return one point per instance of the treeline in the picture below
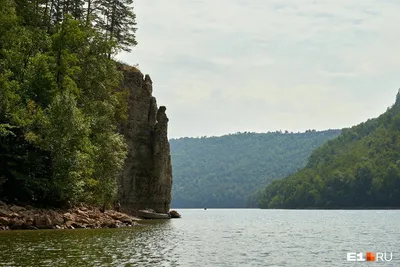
(224, 171)
(358, 169)
(59, 103)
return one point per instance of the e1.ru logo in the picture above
(370, 256)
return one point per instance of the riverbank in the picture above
(14, 217)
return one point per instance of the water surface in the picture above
(215, 237)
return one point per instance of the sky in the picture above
(226, 66)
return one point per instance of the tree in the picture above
(118, 23)
(359, 168)
(59, 103)
(225, 171)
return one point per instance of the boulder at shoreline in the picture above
(174, 214)
(13, 217)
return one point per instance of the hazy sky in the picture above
(223, 66)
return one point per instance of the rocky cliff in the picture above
(146, 181)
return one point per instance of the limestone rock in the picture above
(63, 219)
(82, 213)
(16, 223)
(14, 215)
(56, 218)
(83, 208)
(146, 181)
(68, 217)
(174, 214)
(68, 224)
(4, 221)
(94, 215)
(4, 212)
(77, 225)
(108, 224)
(123, 218)
(17, 208)
(82, 220)
(28, 223)
(42, 221)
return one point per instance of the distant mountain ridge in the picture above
(224, 171)
(358, 169)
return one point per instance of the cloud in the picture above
(233, 65)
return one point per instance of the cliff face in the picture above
(146, 181)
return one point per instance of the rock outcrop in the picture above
(29, 218)
(174, 214)
(146, 181)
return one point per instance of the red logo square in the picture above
(370, 256)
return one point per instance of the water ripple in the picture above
(214, 238)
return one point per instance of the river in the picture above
(216, 237)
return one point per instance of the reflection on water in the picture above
(215, 238)
(148, 245)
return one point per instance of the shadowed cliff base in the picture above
(146, 181)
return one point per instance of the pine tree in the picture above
(118, 23)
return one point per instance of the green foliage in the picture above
(225, 171)
(358, 169)
(118, 22)
(5, 129)
(59, 106)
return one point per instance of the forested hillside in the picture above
(59, 106)
(224, 171)
(360, 168)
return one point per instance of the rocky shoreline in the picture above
(14, 217)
